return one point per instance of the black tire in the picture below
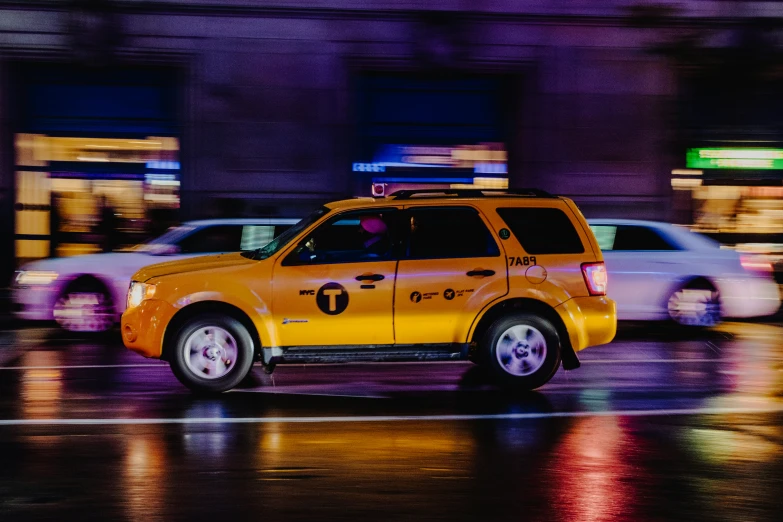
(509, 361)
(185, 355)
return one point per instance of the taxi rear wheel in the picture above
(522, 351)
(212, 353)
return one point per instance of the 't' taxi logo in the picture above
(332, 298)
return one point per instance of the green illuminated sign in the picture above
(752, 159)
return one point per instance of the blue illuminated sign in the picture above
(163, 165)
(490, 168)
(368, 167)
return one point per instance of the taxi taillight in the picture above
(595, 277)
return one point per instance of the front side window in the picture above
(171, 237)
(350, 237)
(448, 232)
(212, 239)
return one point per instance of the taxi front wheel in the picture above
(212, 353)
(522, 351)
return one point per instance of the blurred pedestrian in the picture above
(55, 225)
(107, 226)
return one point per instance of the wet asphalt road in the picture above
(656, 426)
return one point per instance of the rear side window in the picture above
(449, 232)
(543, 230)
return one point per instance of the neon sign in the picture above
(735, 158)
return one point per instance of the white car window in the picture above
(631, 238)
(212, 239)
(171, 237)
(256, 236)
(640, 239)
(604, 234)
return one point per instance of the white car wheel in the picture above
(695, 306)
(77, 311)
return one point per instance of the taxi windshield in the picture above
(283, 239)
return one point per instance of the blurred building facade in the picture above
(230, 107)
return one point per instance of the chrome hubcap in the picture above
(210, 352)
(521, 350)
(83, 312)
(694, 307)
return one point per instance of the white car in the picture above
(87, 293)
(660, 271)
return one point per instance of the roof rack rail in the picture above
(470, 193)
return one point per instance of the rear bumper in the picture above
(143, 327)
(590, 321)
(748, 297)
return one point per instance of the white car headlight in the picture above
(35, 277)
(138, 292)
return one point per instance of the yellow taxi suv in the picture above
(513, 280)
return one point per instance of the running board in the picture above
(365, 353)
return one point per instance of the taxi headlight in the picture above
(35, 277)
(138, 292)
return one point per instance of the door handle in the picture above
(370, 277)
(481, 273)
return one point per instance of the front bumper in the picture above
(590, 321)
(143, 327)
(34, 303)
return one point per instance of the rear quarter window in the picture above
(256, 236)
(543, 230)
(605, 235)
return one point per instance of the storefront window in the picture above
(81, 195)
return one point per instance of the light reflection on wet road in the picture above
(700, 438)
